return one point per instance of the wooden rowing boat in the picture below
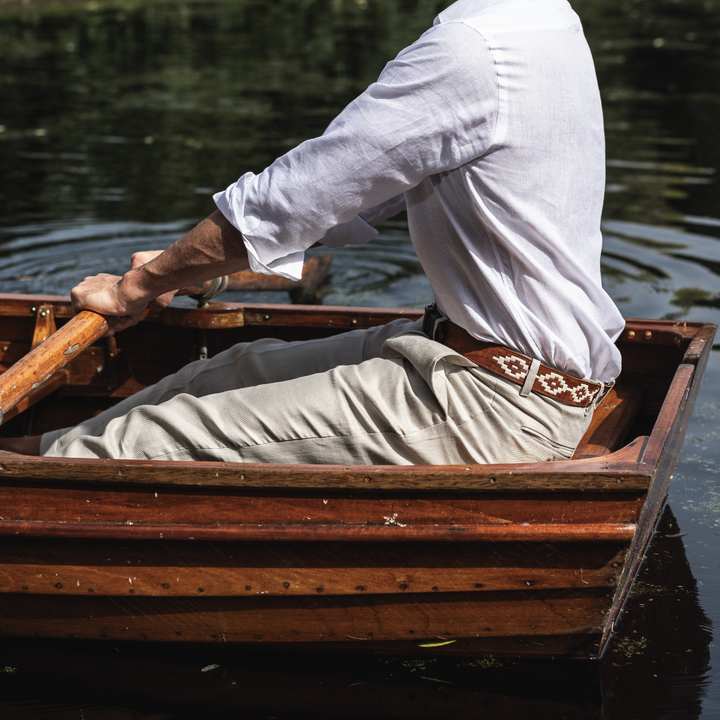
(525, 559)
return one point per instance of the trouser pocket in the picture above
(550, 449)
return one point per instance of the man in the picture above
(488, 130)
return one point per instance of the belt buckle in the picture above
(433, 323)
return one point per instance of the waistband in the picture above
(513, 365)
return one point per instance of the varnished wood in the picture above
(308, 618)
(58, 380)
(60, 567)
(696, 352)
(665, 331)
(550, 532)
(233, 315)
(662, 451)
(613, 472)
(163, 513)
(315, 273)
(349, 557)
(611, 423)
(197, 507)
(44, 324)
(42, 362)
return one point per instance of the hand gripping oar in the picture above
(41, 363)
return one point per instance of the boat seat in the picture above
(611, 422)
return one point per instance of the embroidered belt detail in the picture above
(512, 365)
(548, 381)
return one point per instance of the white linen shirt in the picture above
(488, 129)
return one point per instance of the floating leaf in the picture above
(435, 644)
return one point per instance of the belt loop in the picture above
(599, 396)
(530, 378)
(601, 393)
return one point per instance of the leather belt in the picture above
(512, 365)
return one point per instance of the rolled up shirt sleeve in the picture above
(432, 109)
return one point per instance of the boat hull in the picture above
(526, 559)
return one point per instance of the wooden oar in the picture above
(314, 273)
(41, 363)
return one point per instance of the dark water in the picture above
(117, 122)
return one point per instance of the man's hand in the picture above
(211, 249)
(112, 295)
(106, 294)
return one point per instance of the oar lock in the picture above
(213, 289)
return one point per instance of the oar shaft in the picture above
(40, 364)
(314, 272)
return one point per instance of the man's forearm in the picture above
(211, 249)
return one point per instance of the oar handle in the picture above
(41, 363)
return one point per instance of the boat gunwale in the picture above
(603, 473)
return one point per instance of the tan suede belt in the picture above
(512, 365)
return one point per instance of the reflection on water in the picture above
(662, 639)
(50, 257)
(119, 120)
(663, 272)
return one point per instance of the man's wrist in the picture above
(136, 289)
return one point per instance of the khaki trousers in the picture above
(387, 395)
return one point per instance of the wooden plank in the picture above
(11, 351)
(232, 315)
(611, 422)
(174, 569)
(193, 506)
(26, 305)
(307, 619)
(698, 350)
(14, 304)
(611, 532)
(671, 414)
(187, 513)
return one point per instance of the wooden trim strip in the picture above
(530, 532)
(671, 413)
(610, 473)
(337, 618)
(193, 569)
